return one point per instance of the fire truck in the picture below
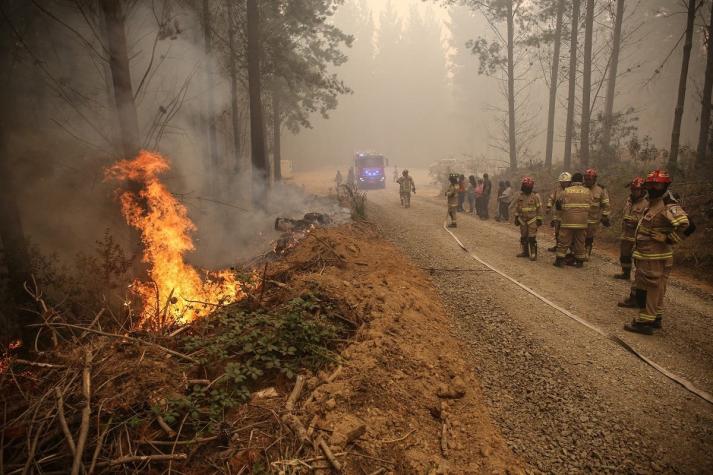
(369, 170)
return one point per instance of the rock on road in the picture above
(565, 398)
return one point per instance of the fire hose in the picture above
(673, 377)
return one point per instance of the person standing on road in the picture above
(572, 205)
(599, 209)
(504, 200)
(564, 180)
(406, 186)
(452, 195)
(396, 174)
(528, 215)
(470, 194)
(633, 211)
(487, 191)
(498, 212)
(461, 192)
(663, 224)
(338, 179)
(479, 197)
(351, 180)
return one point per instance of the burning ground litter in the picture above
(342, 309)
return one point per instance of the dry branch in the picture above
(329, 455)
(166, 428)
(295, 394)
(63, 421)
(143, 458)
(86, 412)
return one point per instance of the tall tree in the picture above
(121, 76)
(257, 123)
(207, 21)
(276, 135)
(571, 96)
(703, 160)
(234, 96)
(680, 101)
(511, 83)
(586, 84)
(554, 78)
(611, 84)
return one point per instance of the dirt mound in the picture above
(403, 399)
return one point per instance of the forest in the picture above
(141, 153)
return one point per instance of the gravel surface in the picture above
(565, 398)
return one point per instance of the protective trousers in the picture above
(406, 199)
(572, 238)
(452, 213)
(650, 287)
(626, 250)
(528, 229)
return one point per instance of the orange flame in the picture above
(176, 289)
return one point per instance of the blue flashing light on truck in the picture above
(370, 170)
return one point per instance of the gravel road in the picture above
(565, 398)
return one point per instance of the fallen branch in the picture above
(86, 413)
(143, 458)
(329, 455)
(63, 421)
(444, 439)
(295, 394)
(199, 440)
(166, 428)
(393, 441)
(297, 428)
(124, 337)
(37, 364)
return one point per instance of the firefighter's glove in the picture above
(691, 228)
(606, 222)
(517, 221)
(414, 191)
(658, 237)
(558, 205)
(538, 221)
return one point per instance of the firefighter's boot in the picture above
(579, 263)
(630, 301)
(532, 248)
(559, 262)
(588, 245)
(552, 249)
(638, 327)
(658, 323)
(525, 251)
(625, 274)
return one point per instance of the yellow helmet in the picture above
(565, 176)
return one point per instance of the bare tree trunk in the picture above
(553, 85)
(586, 84)
(16, 256)
(210, 103)
(611, 85)
(276, 136)
(678, 113)
(235, 115)
(511, 87)
(257, 123)
(121, 77)
(571, 97)
(703, 137)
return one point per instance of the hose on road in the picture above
(673, 377)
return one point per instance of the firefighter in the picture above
(452, 195)
(599, 209)
(633, 210)
(573, 208)
(565, 179)
(527, 207)
(663, 224)
(406, 186)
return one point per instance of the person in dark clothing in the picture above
(501, 188)
(487, 190)
(470, 193)
(504, 201)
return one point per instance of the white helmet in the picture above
(565, 176)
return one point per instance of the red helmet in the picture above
(636, 183)
(528, 182)
(591, 173)
(658, 176)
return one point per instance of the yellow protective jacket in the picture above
(406, 184)
(661, 227)
(452, 194)
(527, 207)
(576, 204)
(599, 204)
(633, 211)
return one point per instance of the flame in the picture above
(176, 290)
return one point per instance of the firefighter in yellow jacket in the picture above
(634, 208)
(452, 196)
(573, 206)
(527, 207)
(663, 225)
(564, 180)
(599, 210)
(406, 186)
